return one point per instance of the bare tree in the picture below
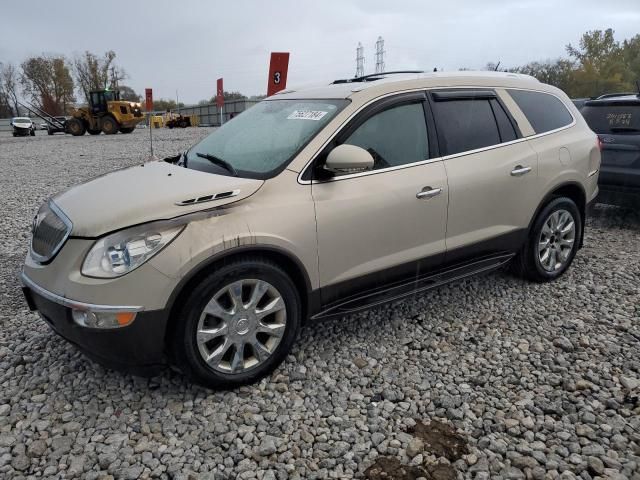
(9, 85)
(96, 73)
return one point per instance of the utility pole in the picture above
(359, 60)
(380, 55)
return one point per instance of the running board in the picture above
(420, 284)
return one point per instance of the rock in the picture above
(37, 448)
(267, 446)
(595, 465)
(20, 462)
(414, 447)
(629, 383)
(360, 362)
(564, 344)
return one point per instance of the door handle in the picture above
(520, 170)
(428, 192)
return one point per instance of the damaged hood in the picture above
(151, 191)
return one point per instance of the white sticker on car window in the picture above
(307, 115)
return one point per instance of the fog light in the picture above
(90, 319)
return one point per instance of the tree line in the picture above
(598, 64)
(52, 82)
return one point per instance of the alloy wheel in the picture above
(557, 240)
(241, 326)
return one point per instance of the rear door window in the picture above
(613, 119)
(544, 111)
(465, 124)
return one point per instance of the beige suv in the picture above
(314, 203)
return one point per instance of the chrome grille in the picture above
(51, 228)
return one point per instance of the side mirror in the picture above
(348, 159)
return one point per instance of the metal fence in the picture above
(209, 114)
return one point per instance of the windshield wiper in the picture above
(220, 162)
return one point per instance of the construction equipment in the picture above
(105, 113)
(177, 120)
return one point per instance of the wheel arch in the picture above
(288, 262)
(575, 192)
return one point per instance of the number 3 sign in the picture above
(278, 72)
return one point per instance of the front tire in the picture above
(76, 127)
(126, 129)
(109, 126)
(553, 241)
(238, 324)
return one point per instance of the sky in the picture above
(185, 46)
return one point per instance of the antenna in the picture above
(497, 65)
(359, 60)
(380, 55)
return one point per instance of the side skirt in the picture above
(419, 284)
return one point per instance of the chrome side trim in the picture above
(67, 302)
(437, 159)
(62, 216)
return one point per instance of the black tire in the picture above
(32, 133)
(528, 264)
(94, 132)
(126, 129)
(75, 127)
(183, 124)
(49, 131)
(170, 126)
(110, 126)
(184, 346)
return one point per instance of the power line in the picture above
(380, 55)
(359, 60)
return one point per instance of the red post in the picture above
(148, 95)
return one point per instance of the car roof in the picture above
(389, 83)
(622, 99)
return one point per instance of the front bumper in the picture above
(137, 348)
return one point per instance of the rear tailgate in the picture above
(618, 126)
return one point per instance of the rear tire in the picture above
(126, 129)
(32, 133)
(110, 126)
(247, 344)
(183, 124)
(76, 127)
(94, 132)
(552, 243)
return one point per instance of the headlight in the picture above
(122, 252)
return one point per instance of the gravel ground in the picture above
(488, 378)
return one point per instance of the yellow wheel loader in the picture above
(105, 113)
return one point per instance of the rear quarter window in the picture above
(612, 118)
(544, 111)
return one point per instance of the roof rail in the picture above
(612, 95)
(374, 76)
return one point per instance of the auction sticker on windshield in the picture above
(307, 115)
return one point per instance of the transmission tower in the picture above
(380, 55)
(359, 60)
